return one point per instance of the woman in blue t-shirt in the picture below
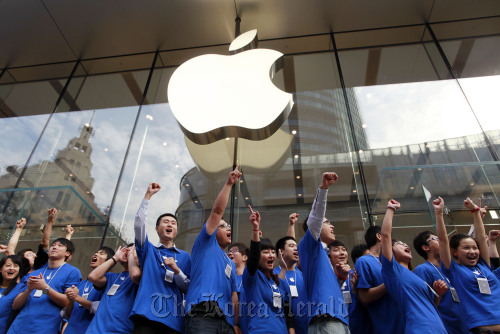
(477, 285)
(417, 299)
(264, 290)
(11, 266)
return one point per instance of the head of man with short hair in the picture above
(373, 236)
(426, 243)
(166, 227)
(223, 234)
(327, 234)
(61, 248)
(358, 251)
(102, 255)
(287, 246)
(337, 253)
(238, 252)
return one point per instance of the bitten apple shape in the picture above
(215, 96)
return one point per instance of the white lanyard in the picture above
(376, 258)
(444, 278)
(116, 279)
(50, 275)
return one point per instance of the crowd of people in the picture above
(225, 287)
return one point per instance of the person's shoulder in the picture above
(183, 252)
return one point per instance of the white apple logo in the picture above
(215, 97)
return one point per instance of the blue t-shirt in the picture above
(112, 316)
(298, 304)
(477, 308)
(41, 313)
(384, 313)
(157, 299)
(243, 308)
(321, 284)
(209, 281)
(263, 316)
(359, 320)
(414, 297)
(448, 310)
(6, 305)
(81, 317)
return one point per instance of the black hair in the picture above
(336, 243)
(109, 252)
(165, 215)
(242, 248)
(394, 241)
(358, 251)
(371, 235)
(266, 244)
(455, 240)
(70, 247)
(281, 243)
(16, 259)
(421, 240)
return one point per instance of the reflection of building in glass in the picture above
(64, 183)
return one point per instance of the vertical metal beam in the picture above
(353, 133)
(111, 206)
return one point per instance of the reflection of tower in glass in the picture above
(52, 179)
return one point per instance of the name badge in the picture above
(113, 289)
(484, 287)
(293, 291)
(169, 276)
(228, 271)
(347, 297)
(454, 295)
(276, 299)
(38, 293)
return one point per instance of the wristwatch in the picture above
(46, 290)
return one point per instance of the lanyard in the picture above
(50, 274)
(85, 288)
(116, 279)
(439, 272)
(479, 272)
(376, 258)
(162, 260)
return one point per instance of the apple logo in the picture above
(215, 97)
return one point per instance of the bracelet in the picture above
(256, 230)
(391, 207)
(476, 209)
(112, 258)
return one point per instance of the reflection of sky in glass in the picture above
(411, 113)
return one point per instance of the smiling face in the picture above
(327, 232)
(467, 252)
(223, 234)
(338, 255)
(10, 270)
(290, 253)
(402, 252)
(167, 228)
(98, 258)
(267, 259)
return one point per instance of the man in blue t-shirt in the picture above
(238, 252)
(42, 294)
(427, 246)
(79, 313)
(165, 273)
(112, 316)
(212, 298)
(385, 315)
(328, 310)
(286, 249)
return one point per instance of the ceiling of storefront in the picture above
(46, 31)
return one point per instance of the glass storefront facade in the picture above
(389, 109)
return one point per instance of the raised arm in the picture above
(47, 231)
(221, 202)
(97, 276)
(392, 206)
(492, 243)
(444, 243)
(14, 239)
(69, 231)
(479, 229)
(142, 213)
(254, 257)
(315, 219)
(292, 220)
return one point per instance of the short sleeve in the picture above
(365, 280)
(424, 274)
(74, 278)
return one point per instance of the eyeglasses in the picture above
(432, 239)
(326, 221)
(232, 251)
(400, 243)
(225, 225)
